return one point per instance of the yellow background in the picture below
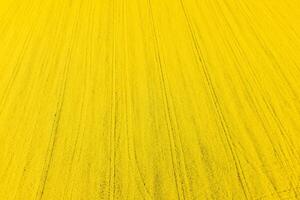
(149, 99)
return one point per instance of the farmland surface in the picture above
(149, 99)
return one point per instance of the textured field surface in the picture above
(149, 99)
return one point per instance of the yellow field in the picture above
(149, 99)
